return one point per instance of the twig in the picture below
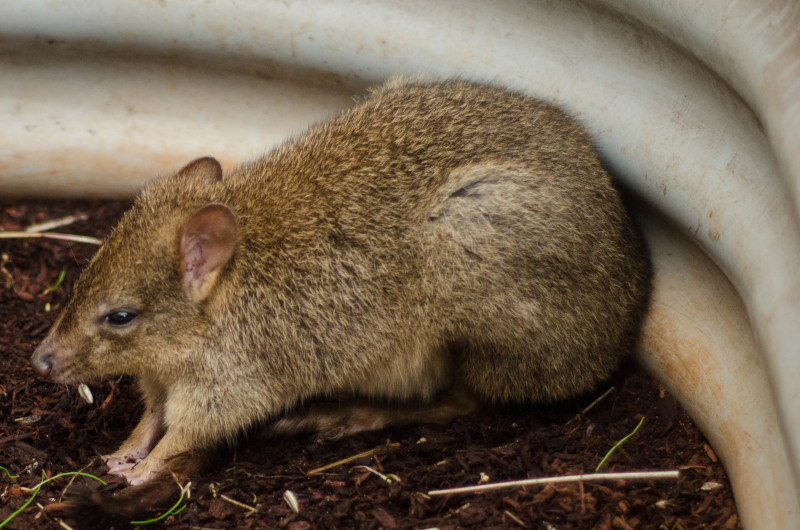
(71, 480)
(51, 235)
(598, 400)
(515, 519)
(9, 278)
(591, 477)
(56, 223)
(391, 477)
(349, 459)
(239, 504)
(459, 509)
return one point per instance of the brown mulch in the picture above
(47, 429)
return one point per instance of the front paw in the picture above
(142, 472)
(119, 467)
(135, 469)
(122, 462)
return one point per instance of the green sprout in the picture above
(12, 477)
(176, 508)
(39, 486)
(608, 454)
(59, 281)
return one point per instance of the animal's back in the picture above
(399, 145)
(462, 218)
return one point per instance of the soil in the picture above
(47, 429)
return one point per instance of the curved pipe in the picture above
(672, 130)
(696, 340)
(90, 125)
(753, 45)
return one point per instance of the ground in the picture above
(48, 429)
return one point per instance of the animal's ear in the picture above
(207, 243)
(203, 168)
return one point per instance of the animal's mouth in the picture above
(55, 369)
(55, 365)
(54, 362)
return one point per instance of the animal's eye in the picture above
(120, 319)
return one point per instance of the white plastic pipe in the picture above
(755, 46)
(674, 132)
(95, 126)
(696, 340)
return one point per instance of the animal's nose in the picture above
(42, 359)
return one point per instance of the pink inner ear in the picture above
(193, 258)
(207, 243)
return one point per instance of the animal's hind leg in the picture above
(335, 420)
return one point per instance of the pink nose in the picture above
(42, 359)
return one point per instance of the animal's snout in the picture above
(42, 359)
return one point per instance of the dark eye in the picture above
(120, 319)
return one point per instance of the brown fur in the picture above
(438, 239)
